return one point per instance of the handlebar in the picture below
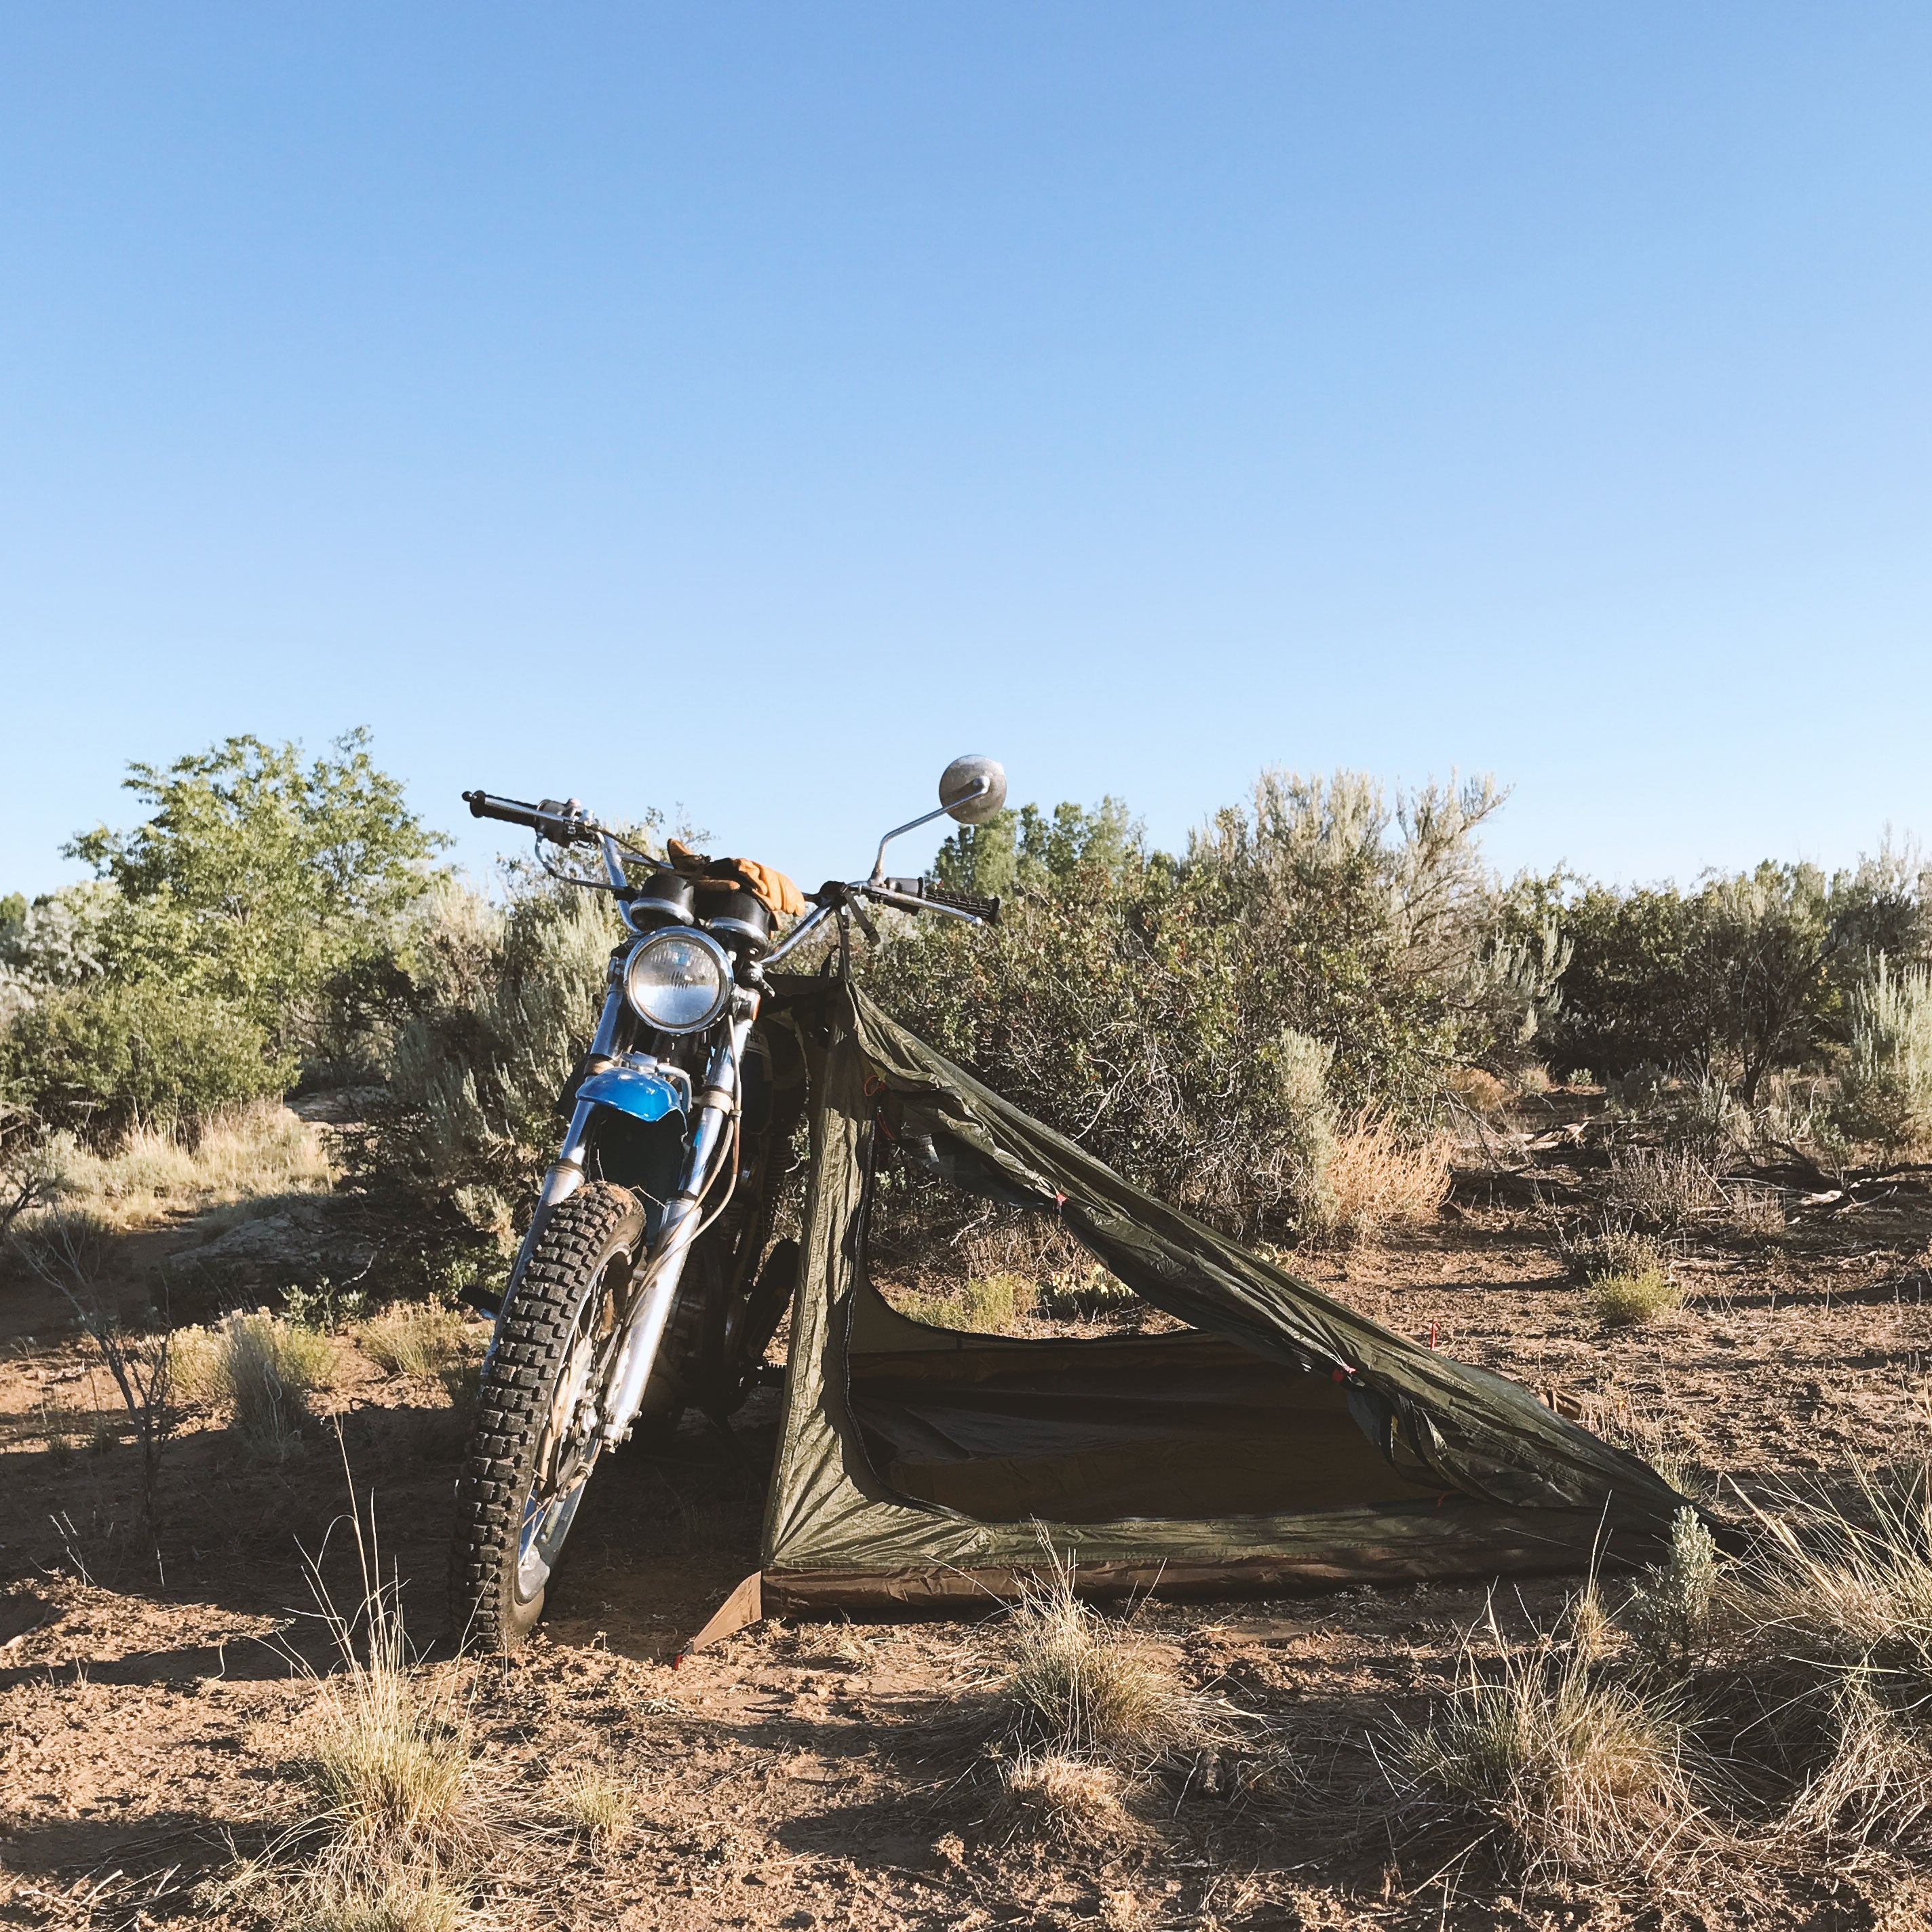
(931, 892)
(562, 823)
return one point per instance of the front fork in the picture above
(661, 1268)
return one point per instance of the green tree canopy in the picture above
(258, 877)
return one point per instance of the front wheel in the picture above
(534, 1448)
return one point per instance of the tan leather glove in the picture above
(763, 882)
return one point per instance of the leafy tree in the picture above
(257, 878)
(1027, 850)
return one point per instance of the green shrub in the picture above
(1198, 1022)
(1885, 1091)
(257, 878)
(1625, 1300)
(107, 1057)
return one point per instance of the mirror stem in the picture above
(981, 786)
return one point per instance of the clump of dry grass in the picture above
(262, 1369)
(1378, 1179)
(261, 1148)
(1067, 1801)
(387, 1758)
(1826, 1631)
(1082, 1714)
(595, 1802)
(420, 1338)
(1874, 1789)
(1664, 1188)
(418, 1901)
(1476, 1086)
(1583, 1772)
(1081, 1685)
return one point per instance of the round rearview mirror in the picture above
(972, 789)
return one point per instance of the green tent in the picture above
(1280, 1443)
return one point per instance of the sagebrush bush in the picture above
(500, 1006)
(1885, 1092)
(1666, 1188)
(1198, 1022)
(1670, 1610)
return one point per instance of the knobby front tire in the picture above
(581, 1257)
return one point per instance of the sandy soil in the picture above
(821, 1774)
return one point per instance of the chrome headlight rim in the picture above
(691, 935)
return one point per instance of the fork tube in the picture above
(631, 1374)
(566, 1172)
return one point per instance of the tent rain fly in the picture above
(1280, 1442)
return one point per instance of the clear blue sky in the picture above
(754, 405)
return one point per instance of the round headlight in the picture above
(678, 980)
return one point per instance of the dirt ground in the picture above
(807, 1775)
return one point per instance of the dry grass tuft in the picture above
(388, 1759)
(595, 1802)
(1665, 1188)
(1826, 1629)
(414, 1338)
(416, 1901)
(1066, 1801)
(1084, 1686)
(1837, 1592)
(1477, 1087)
(1584, 1773)
(1874, 1790)
(1379, 1180)
(243, 1152)
(262, 1369)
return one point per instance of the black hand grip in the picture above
(552, 826)
(985, 910)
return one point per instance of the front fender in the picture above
(630, 1089)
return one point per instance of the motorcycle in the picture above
(647, 1281)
